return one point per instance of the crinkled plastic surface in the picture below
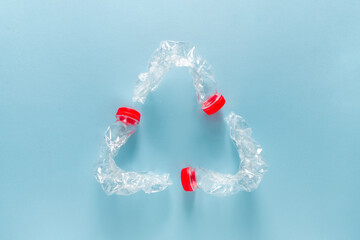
(251, 169)
(176, 54)
(115, 180)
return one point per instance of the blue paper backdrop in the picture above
(290, 68)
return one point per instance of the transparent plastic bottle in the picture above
(251, 168)
(115, 180)
(172, 54)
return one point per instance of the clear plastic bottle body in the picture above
(118, 133)
(180, 54)
(115, 180)
(251, 167)
(204, 81)
(219, 184)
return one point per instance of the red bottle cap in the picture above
(128, 115)
(188, 179)
(213, 104)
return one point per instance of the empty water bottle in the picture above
(172, 54)
(251, 168)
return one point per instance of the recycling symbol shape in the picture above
(168, 55)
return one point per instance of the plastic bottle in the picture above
(251, 167)
(172, 54)
(115, 180)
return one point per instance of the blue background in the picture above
(290, 68)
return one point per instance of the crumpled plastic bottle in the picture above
(251, 168)
(172, 54)
(115, 180)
